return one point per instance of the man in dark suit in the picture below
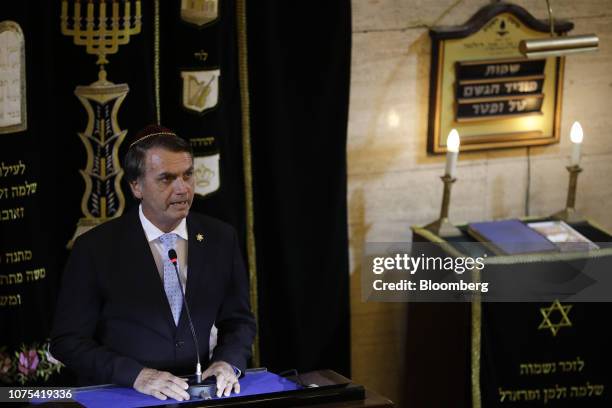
(120, 317)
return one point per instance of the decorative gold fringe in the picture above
(246, 158)
(156, 62)
(476, 349)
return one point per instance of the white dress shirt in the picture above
(153, 233)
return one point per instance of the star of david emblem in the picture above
(199, 237)
(547, 313)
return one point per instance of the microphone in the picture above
(197, 389)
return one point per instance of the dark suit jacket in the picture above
(113, 316)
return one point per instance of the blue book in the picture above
(510, 237)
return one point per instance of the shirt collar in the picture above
(152, 232)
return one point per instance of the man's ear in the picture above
(136, 191)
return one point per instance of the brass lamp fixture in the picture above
(442, 226)
(558, 45)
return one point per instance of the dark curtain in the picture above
(299, 59)
(180, 44)
(299, 73)
(53, 154)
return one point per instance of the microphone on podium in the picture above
(197, 388)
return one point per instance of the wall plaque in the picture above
(482, 86)
(13, 112)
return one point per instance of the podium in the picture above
(486, 354)
(259, 388)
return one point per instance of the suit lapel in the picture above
(197, 266)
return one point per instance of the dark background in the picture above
(299, 74)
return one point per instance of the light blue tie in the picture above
(171, 283)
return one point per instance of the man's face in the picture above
(166, 188)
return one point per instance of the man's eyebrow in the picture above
(169, 174)
(166, 174)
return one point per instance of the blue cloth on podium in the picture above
(122, 397)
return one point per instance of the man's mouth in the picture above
(179, 203)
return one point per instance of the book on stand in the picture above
(510, 237)
(566, 238)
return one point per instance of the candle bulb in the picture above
(576, 136)
(452, 151)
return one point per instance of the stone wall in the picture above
(394, 184)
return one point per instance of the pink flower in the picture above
(28, 362)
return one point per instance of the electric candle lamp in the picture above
(576, 136)
(452, 147)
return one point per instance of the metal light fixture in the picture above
(556, 45)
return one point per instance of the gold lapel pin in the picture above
(200, 237)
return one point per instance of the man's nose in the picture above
(180, 185)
